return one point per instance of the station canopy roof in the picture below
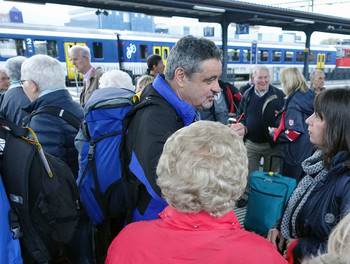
(220, 11)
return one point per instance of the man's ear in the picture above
(34, 87)
(179, 76)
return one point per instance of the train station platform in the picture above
(240, 213)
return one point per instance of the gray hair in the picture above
(45, 71)
(13, 67)
(203, 167)
(117, 79)
(2, 69)
(189, 53)
(84, 51)
(260, 68)
(313, 73)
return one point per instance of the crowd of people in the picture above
(191, 164)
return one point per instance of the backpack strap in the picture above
(15, 130)
(140, 198)
(59, 112)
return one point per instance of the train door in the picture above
(71, 72)
(162, 51)
(321, 57)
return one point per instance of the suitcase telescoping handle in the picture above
(280, 158)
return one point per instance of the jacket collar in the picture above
(47, 99)
(184, 110)
(201, 221)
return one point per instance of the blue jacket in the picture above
(322, 210)
(299, 106)
(54, 134)
(148, 130)
(13, 101)
(10, 251)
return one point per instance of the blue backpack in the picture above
(98, 142)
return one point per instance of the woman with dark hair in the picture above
(322, 197)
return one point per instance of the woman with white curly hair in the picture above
(116, 79)
(201, 172)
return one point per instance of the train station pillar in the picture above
(308, 33)
(224, 26)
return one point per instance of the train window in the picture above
(329, 56)
(276, 55)
(312, 57)
(288, 56)
(157, 50)
(263, 55)
(340, 53)
(12, 47)
(46, 47)
(233, 54)
(165, 54)
(300, 56)
(347, 53)
(246, 55)
(143, 52)
(98, 50)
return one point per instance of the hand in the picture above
(288, 242)
(271, 130)
(273, 236)
(239, 128)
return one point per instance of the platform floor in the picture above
(240, 213)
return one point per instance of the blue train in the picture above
(129, 50)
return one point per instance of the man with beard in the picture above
(171, 102)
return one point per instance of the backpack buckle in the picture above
(91, 152)
(16, 232)
(14, 224)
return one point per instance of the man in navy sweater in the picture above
(259, 104)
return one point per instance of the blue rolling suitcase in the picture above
(268, 195)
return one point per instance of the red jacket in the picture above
(190, 238)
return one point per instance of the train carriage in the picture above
(128, 50)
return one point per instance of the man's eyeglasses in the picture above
(21, 82)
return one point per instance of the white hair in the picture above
(260, 68)
(45, 71)
(84, 51)
(13, 67)
(117, 79)
(2, 69)
(203, 167)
